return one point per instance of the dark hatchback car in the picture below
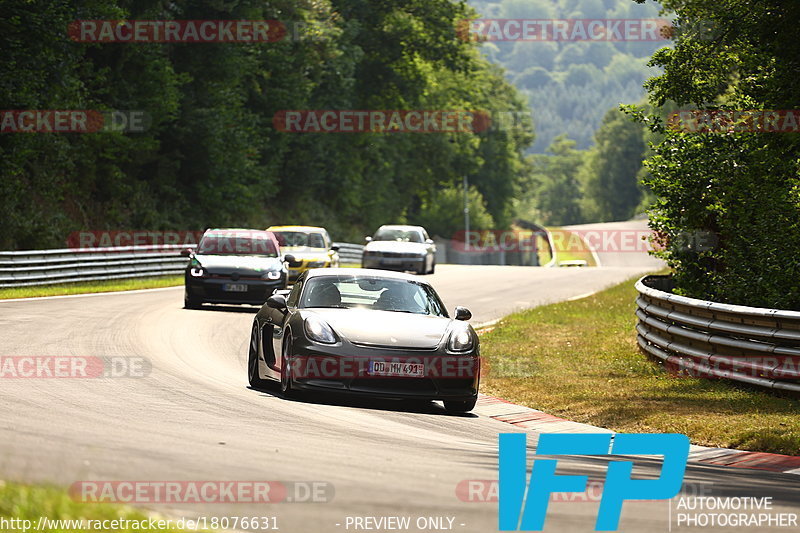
(234, 266)
(366, 332)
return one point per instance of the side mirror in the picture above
(368, 238)
(462, 313)
(335, 247)
(187, 252)
(277, 301)
(428, 241)
(292, 260)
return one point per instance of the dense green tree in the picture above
(212, 156)
(610, 174)
(566, 102)
(533, 78)
(442, 214)
(552, 194)
(531, 54)
(513, 9)
(743, 187)
(582, 75)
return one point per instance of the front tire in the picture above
(460, 407)
(286, 369)
(253, 376)
(190, 302)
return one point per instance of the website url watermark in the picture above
(73, 367)
(620, 240)
(201, 523)
(176, 31)
(380, 121)
(73, 121)
(565, 30)
(201, 492)
(735, 121)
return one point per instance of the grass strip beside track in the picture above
(92, 286)
(30, 502)
(579, 360)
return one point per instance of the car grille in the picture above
(395, 347)
(389, 385)
(403, 255)
(234, 278)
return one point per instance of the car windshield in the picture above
(369, 292)
(300, 239)
(238, 243)
(402, 235)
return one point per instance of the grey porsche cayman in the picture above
(366, 332)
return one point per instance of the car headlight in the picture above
(461, 340)
(272, 274)
(319, 330)
(197, 272)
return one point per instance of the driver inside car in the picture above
(326, 295)
(399, 297)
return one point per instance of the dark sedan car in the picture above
(234, 266)
(366, 332)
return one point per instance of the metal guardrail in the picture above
(47, 267)
(707, 339)
(349, 254)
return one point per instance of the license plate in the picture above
(383, 368)
(391, 260)
(234, 287)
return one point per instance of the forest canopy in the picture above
(210, 154)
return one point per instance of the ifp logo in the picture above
(518, 512)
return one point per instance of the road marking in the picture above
(581, 296)
(597, 262)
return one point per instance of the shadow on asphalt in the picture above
(360, 402)
(223, 308)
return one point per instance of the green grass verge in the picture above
(579, 360)
(29, 502)
(570, 246)
(92, 286)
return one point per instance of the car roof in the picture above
(401, 226)
(371, 272)
(220, 230)
(315, 229)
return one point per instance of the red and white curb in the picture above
(540, 422)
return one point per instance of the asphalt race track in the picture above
(194, 418)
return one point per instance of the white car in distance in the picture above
(395, 247)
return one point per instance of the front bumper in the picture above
(393, 262)
(294, 272)
(345, 368)
(212, 290)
